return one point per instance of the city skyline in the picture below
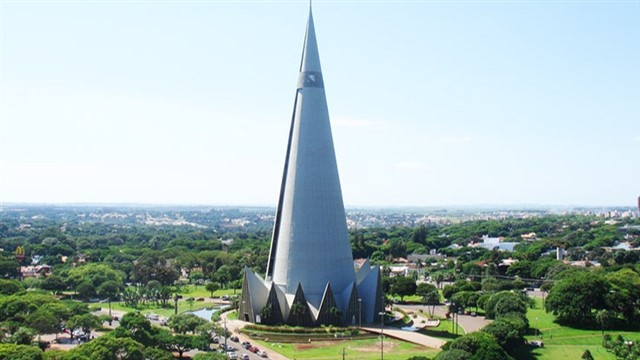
(431, 103)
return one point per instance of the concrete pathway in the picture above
(467, 322)
(409, 336)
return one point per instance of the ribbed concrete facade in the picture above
(310, 269)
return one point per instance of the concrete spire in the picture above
(310, 242)
(310, 56)
(310, 262)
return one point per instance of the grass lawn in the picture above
(167, 312)
(443, 331)
(562, 342)
(187, 291)
(354, 349)
(199, 291)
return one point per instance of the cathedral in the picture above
(311, 279)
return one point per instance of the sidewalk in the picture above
(409, 336)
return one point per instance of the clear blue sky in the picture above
(432, 103)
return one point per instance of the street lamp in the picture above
(360, 312)
(381, 313)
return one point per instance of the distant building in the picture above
(35, 271)
(495, 243)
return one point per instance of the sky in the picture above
(432, 103)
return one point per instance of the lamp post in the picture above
(359, 312)
(381, 313)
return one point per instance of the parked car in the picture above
(246, 344)
(253, 349)
(226, 348)
(234, 338)
(244, 357)
(536, 343)
(215, 340)
(262, 353)
(232, 355)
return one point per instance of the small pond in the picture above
(410, 328)
(205, 313)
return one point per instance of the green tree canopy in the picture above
(185, 322)
(404, 286)
(574, 298)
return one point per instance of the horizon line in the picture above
(516, 206)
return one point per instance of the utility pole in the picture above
(360, 312)
(343, 354)
(381, 335)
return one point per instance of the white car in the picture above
(244, 357)
(262, 353)
(232, 355)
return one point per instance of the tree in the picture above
(502, 303)
(508, 331)
(54, 283)
(335, 315)
(573, 298)
(109, 347)
(131, 297)
(136, 327)
(602, 317)
(624, 294)
(23, 336)
(109, 289)
(20, 352)
(429, 296)
(153, 353)
(86, 289)
(95, 274)
(196, 277)
(180, 343)
(185, 322)
(10, 287)
(9, 269)
(480, 345)
(438, 278)
(152, 265)
(455, 354)
(86, 322)
(210, 356)
(586, 355)
(223, 275)
(403, 286)
(211, 287)
(43, 321)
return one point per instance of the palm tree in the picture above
(602, 316)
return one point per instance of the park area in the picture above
(352, 349)
(562, 342)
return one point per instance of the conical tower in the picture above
(310, 256)
(310, 242)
